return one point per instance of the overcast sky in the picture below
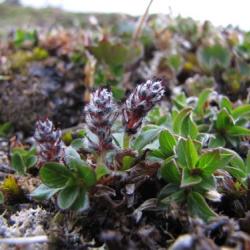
(220, 12)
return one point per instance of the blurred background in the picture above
(53, 53)
(220, 12)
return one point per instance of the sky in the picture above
(219, 12)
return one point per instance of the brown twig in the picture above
(141, 23)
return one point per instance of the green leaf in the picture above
(81, 133)
(5, 128)
(236, 172)
(187, 153)
(88, 175)
(71, 156)
(212, 57)
(167, 142)
(181, 152)
(118, 93)
(225, 157)
(101, 171)
(1, 198)
(176, 197)
(217, 141)
(25, 153)
(189, 128)
(248, 163)
(112, 54)
(199, 207)
(175, 61)
(225, 103)
(115, 54)
(208, 183)
(179, 118)
(146, 137)
(241, 122)
(180, 101)
(155, 116)
(77, 143)
(236, 160)
(82, 201)
(157, 153)
(203, 97)
(170, 172)
(31, 161)
(119, 139)
(244, 69)
(168, 190)
(43, 192)
(233, 163)
(67, 196)
(209, 162)
(17, 163)
(238, 131)
(22, 36)
(127, 162)
(188, 180)
(241, 111)
(54, 175)
(224, 120)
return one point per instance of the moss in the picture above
(39, 54)
(10, 186)
(19, 60)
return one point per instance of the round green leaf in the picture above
(54, 175)
(43, 192)
(82, 201)
(17, 163)
(88, 175)
(31, 161)
(67, 196)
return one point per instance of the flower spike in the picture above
(101, 113)
(49, 144)
(140, 101)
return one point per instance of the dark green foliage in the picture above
(1, 198)
(70, 182)
(5, 128)
(22, 159)
(189, 150)
(25, 38)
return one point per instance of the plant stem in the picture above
(126, 140)
(141, 23)
(101, 158)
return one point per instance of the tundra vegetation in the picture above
(126, 137)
